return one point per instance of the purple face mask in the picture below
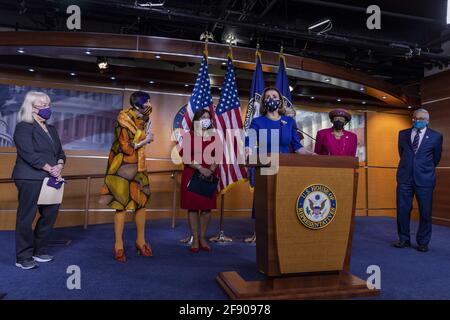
(45, 113)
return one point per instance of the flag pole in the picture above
(206, 36)
(221, 237)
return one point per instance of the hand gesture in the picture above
(149, 138)
(205, 172)
(55, 171)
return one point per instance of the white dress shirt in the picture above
(422, 134)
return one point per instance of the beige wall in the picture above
(382, 160)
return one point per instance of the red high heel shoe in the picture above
(195, 250)
(145, 250)
(119, 255)
(205, 247)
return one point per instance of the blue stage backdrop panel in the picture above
(84, 120)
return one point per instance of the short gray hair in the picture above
(422, 110)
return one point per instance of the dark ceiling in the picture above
(409, 40)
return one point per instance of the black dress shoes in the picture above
(402, 244)
(422, 248)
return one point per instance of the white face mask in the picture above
(205, 123)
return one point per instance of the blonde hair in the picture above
(262, 108)
(26, 110)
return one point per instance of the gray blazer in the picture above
(34, 150)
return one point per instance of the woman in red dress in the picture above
(198, 206)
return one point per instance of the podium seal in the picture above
(316, 206)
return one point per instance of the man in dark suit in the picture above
(420, 151)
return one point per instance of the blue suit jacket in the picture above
(34, 150)
(419, 168)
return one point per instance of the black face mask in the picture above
(338, 125)
(272, 104)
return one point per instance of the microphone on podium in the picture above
(303, 132)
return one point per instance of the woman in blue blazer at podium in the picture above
(273, 119)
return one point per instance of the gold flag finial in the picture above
(231, 40)
(206, 36)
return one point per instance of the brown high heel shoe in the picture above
(119, 255)
(145, 250)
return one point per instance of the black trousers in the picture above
(29, 242)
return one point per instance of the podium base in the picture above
(326, 286)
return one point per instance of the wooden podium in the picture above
(304, 226)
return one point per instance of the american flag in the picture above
(228, 117)
(201, 98)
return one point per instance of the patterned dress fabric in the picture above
(126, 184)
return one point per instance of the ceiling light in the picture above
(361, 89)
(448, 12)
(384, 97)
(73, 74)
(20, 50)
(291, 88)
(151, 82)
(409, 107)
(31, 70)
(186, 85)
(363, 102)
(149, 4)
(158, 57)
(113, 78)
(338, 100)
(327, 79)
(321, 26)
(318, 24)
(312, 98)
(102, 63)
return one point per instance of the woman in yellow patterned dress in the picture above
(126, 183)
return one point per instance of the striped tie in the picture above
(416, 141)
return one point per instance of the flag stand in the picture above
(188, 240)
(221, 237)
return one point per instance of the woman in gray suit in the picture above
(39, 155)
